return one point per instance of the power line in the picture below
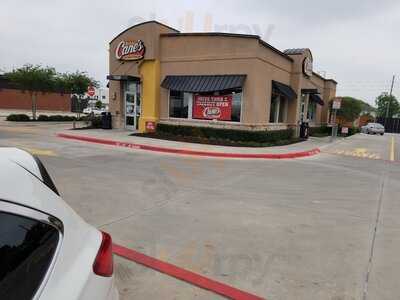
(390, 97)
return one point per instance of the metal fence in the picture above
(391, 124)
(78, 105)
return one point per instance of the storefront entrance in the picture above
(132, 104)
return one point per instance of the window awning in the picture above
(309, 91)
(122, 78)
(284, 89)
(203, 83)
(317, 99)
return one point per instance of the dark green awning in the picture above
(203, 83)
(284, 89)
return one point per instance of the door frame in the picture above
(136, 114)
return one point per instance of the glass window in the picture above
(302, 106)
(312, 111)
(131, 86)
(282, 110)
(27, 248)
(274, 108)
(278, 110)
(182, 105)
(178, 104)
(236, 106)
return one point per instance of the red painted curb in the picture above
(190, 152)
(182, 274)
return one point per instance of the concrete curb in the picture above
(289, 155)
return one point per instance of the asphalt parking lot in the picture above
(323, 227)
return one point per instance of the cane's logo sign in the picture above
(130, 50)
(212, 113)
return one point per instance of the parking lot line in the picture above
(182, 274)
(392, 149)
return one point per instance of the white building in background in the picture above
(100, 94)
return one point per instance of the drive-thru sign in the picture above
(336, 104)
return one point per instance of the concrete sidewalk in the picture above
(123, 138)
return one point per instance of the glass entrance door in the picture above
(302, 108)
(132, 105)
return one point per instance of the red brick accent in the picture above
(17, 99)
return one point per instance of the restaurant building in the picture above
(223, 80)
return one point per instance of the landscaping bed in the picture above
(323, 131)
(222, 137)
(92, 122)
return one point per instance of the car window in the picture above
(27, 247)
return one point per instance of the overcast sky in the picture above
(355, 42)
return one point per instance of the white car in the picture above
(373, 128)
(95, 111)
(47, 251)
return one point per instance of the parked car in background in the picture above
(94, 111)
(47, 251)
(373, 128)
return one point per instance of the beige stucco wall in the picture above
(216, 55)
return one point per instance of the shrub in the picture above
(56, 118)
(95, 121)
(18, 118)
(234, 135)
(352, 130)
(99, 104)
(43, 118)
(320, 131)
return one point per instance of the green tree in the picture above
(387, 105)
(99, 104)
(76, 83)
(350, 108)
(37, 79)
(34, 79)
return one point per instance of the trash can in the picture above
(106, 120)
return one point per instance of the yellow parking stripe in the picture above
(391, 157)
(43, 152)
(358, 152)
(37, 151)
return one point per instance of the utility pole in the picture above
(390, 98)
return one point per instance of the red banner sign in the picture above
(212, 107)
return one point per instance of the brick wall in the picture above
(17, 99)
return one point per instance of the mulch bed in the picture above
(218, 142)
